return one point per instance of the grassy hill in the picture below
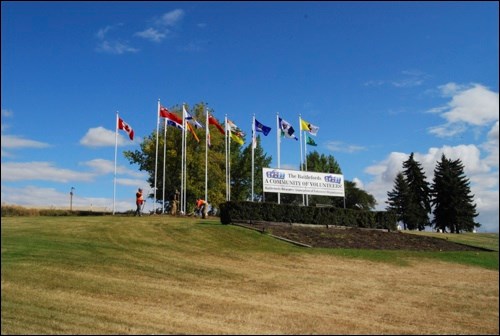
(163, 275)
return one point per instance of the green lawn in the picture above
(164, 275)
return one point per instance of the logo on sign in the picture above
(275, 174)
(333, 179)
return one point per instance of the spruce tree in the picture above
(398, 199)
(418, 201)
(453, 204)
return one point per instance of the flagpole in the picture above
(156, 157)
(181, 200)
(253, 153)
(116, 150)
(164, 158)
(229, 165)
(301, 166)
(278, 142)
(185, 169)
(206, 154)
(225, 145)
(182, 162)
(305, 164)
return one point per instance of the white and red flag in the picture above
(124, 126)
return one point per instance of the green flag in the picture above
(310, 141)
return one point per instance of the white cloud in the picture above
(115, 47)
(102, 166)
(491, 147)
(338, 146)
(152, 34)
(171, 18)
(139, 183)
(42, 171)
(162, 26)
(408, 78)
(13, 141)
(101, 34)
(474, 105)
(112, 46)
(102, 137)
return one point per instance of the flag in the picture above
(305, 126)
(174, 124)
(213, 121)
(189, 117)
(191, 129)
(237, 139)
(259, 127)
(124, 126)
(235, 132)
(287, 129)
(192, 120)
(310, 141)
(164, 113)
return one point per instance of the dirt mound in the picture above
(334, 237)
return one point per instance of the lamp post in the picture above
(71, 199)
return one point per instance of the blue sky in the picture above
(380, 79)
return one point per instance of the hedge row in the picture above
(272, 212)
(16, 211)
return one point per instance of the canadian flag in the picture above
(124, 126)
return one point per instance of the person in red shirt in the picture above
(139, 200)
(201, 207)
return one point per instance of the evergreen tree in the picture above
(452, 201)
(398, 198)
(419, 206)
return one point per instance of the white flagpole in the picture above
(278, 142)
(164, 159)
(225, 145)
(114, 176)
(185, 170)
(206, 154)
(229, 164)
(301, 157)
(253, 152)
(156, 158)
(184, 112)
(182, 161)
(305, 163)
(300, 146)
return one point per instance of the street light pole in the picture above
(71, 199)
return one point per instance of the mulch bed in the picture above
(355, 238)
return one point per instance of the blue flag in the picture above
(259, 127)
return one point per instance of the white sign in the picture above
(302, 182)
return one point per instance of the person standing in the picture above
(201, 207)
(175, 201)
(139, 200)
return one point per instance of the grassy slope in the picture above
(166, 275)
